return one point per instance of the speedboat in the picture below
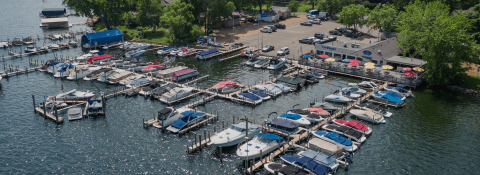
(250, 97)
(295, 118)
(321, 158)
(374, 108)
(337, 98)
(111, 46)
(168, 115)
(64, 71)
(276, 63)
(400, 90)
(354, 125)
(283, 88)
(324, 106)
(30, 49)
(74, 94)
(336, 139)
(86, 56)
(75, 113)
(3, 44)
(265, 142)
(51, 104)
(393, 94)
(94, 75)
(282, 169)
(152, 86)
(53, 46)
(367, 84)
(305, 163)
(317, 75)
(103, 77)
(125, 45)
(260, 94)
(388, 98)
(324, 146)
(354, 90)
(252, 61)
(174, 52)
(234, 135)
(269, 89)
(134, 53)
(223, 84)
(53, 69)
(186, 120)
(284, 126)
(262, 63)
(95, 107)
(138, 46)
(137, 82)
(114, 79)
(229, 89)
(347, 94)
(369, 116)
(300, 112)
(318, 111)
(206, 54)
(347, 132)
(175, 94)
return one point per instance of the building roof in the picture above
(414, 62)
(388, 48)
(104, 37)
(280, 9)
(53, 9)
(54, 20)
(165, 2)
(270, 12)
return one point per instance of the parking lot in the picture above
(289, 37)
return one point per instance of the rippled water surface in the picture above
(435, 133)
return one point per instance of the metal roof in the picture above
(53, 20)
(414, 62)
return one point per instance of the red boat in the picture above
(354, 125)
(318, 111)
(224, 83)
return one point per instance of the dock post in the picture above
(223, 125)
(232, 122)
(214, 129)
(209, 137)
(56, 113)
(261, 156)
(44, 109)
(205, 135)
(33, 97)
(195, 139)
(251, 167)
(200, 139)
(227, 124)
(271, 157)
(220, 155)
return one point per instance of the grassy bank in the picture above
(159, 36)
(470, 82)
(304, 7)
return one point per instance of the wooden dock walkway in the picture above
(49, 115)
(19, 71)
(238, 55)
(197, 79)
(225, 52)
(210, 117)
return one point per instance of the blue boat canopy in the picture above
(208, 52)
(271, 136)
(258, 92)
(395, 95)
(283, 125)
(315, 73)
(335, 137)
(306, 163)
(291, 116)
(307, 56)
(187, 117)
(401, 85)
(399, 89)
(249, 96)
(105, 37)
(392, 99)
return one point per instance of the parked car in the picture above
(274, 29)
(280, 26)
(283, 51)
(320, 35)
(306, 40)
(315, 21)
(335, 32)
(268, 48)
(312, 17)
(353, 35)
(323, 18)
(252, 19)
(237, 45)
(306, 23)
(266, 30)
(343, 30)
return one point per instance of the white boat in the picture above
(336, 139)
(399, 89)
(175, 94)
(324, 146)
(73, 95)
(174, 52)
(53, 46)
(114, 79)
(234, 135)
(186, 120)
(30, 49)
(354, 90)
(295, 118)
(252, 61)
(134, 53)
(269, 89)
(250, 97)
(94, 75)
(65, 70)
(57, 37)
(103, 77)
(138, 82)
(367, 84)
(283, 88)
(276, 63)
(354, 125)
(337, 98)
(346, 132)
(315, 74)
(95, 107)
(72, 43)
(130, 78)
(75, 113)
(51, 104)
(265, 142)
(282, 169)
(391, 93)
(111, 46)
(86, 56)
(369, 116)
(138, 46)
(67, 35)
(168, 115)
(374, 108)
(262, 63)
(3, 44)
(125, 45)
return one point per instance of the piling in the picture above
(220, 148)
(33, 97)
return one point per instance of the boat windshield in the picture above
(74, 114)
(237, 128)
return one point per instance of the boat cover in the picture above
(355, 124)
(318, 110)
(223, 84)
(177, 74)
(208, 52)
(314, 116)
(401, 85)
(242, 125)
(165, 111)
(307, 163)
(335, 137)
(290, 169)
(315, 73)
(318, 157)
(102, 38)
(291, 116)
(346, 131)
(282, 87)
(324, 146)
(187, 117)
(152, 66)
(262, 61)
(100, 57)
(258, 92)
(250, 96)
(271, 136)
(301, 111)
(392, 99)
(58, 65)
(394, 94)
(399, 89)
(289, 80)
(283, 124)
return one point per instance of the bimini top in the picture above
(208, 52)
(354, 124)
(187, 117)
(392, 99)
(242, 125)
(318, 157)
(100, 57)
(59, 65)
(291, 116)
(280, 123)
(165, 111)
(104, 37)
(394, 94)
(307, 163)
(401, 85)
(335, 137)
(400, 89)
(249, 96)
(224, 83)
(271, 136)
(258, 92)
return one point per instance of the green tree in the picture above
(383, 17)
(218, 9)
(293, 5)
(353, 15)
(332, 6)
(179, 18)
(149, 12)
(442, 40)
(313, 2)
(109, 11)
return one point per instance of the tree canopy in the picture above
(383, 17)
(293, 5)
(179, 18)
(109, 11)
(149, 12)
(428, 31)
(353, 15)
(332, 6)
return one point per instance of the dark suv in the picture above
(274, 29)
(280, 26)
(252, 19)
(320, 35)
(335, 32)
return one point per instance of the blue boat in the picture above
(283, 125)
(336, 139)
(260, 93)
(305, 163)
(204, 55)
(188, 118)
(321, 158)
(250, 97)
(388, 97)
(393, 94)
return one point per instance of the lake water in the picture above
(435, 133)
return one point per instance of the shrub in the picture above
(282, 18)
